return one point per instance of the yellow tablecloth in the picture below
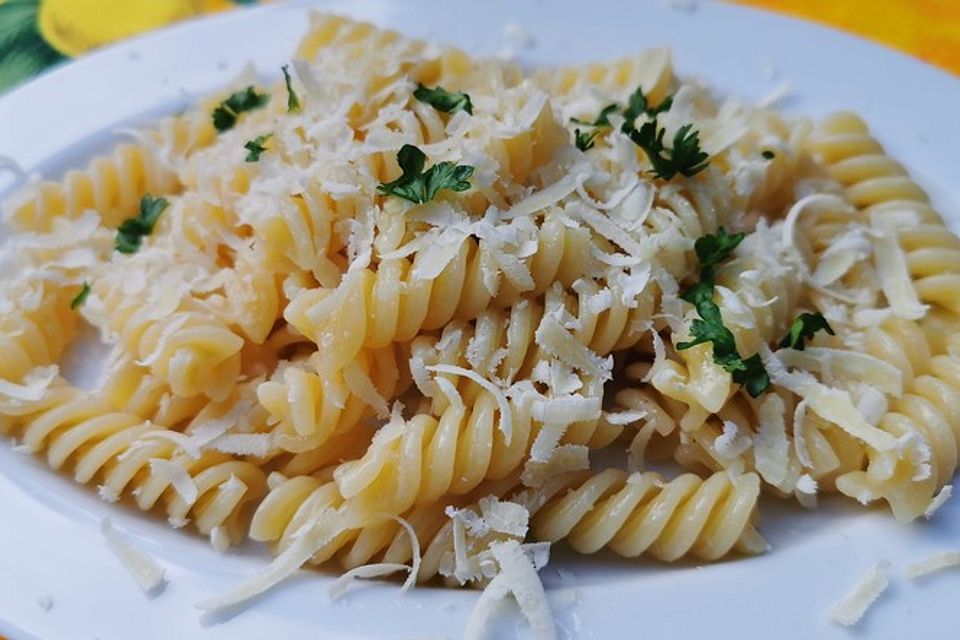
(35, 34)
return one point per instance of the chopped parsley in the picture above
(637, 104)
(81, 297)
(255, 147)
(585, 139)
(711, 250)
(225, 115)
(443, 100)
(419, 186)
(602, 120)
(131, 233)
(714, 248)
(293, 100)
(767, 154)
(804, 328)
(684, 156)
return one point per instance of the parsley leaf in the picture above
(753, 376)
(637, 104)
(225, 115)
(293, 100)
(803, 328)
(684, 157)
(443, 100)
(419, 186)
(768, 155)
(714, 248)
(81, 297)
(132, 231)
(255, 147)
(585, 139)
(709, 328)
(602, 120)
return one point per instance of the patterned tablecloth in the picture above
(35, 34)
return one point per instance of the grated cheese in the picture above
(306, 542)
(360, 385)
(851, 608)
(893, 272)
(176, 476)
(936, 562)
(938, 501)
(148, 575)
(343, 583)
(731, 443)
(833, 405)
(504, 517)
(34, 386)
(806, 491)
(517, 576)
(770, 445)
(506, 416)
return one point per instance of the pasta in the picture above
(383, 312)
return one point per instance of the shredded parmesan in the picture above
(148, 575)
(830, 404)
(851, 608)
(176, 476)
(938, 501)
(366, 571)
(506, 416)
(517, 576)
(936, 562)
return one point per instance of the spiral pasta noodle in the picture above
(116, 450)
(112, 185)
(640, 513)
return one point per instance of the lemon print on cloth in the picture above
(74, 26)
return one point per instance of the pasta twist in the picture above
(397, 301)
(314, 403)
(641, 513)
(35, 336)
(297, 501)
(112, 185)
(923, 419)
(652, 70)
(132, 388)
(120, 452)
(890, 199)
(189, 349)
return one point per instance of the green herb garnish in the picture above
(225, 115)
(769, 155)
(255, 147)
(637, 104)
(804, 328)
(602, 120)
(419, 186)
(714, 248)
(684, 157)
(293, 100)
(133, 230)
(81, 297)
(709, 327)
(585, 139)
(443, 100)
(711, 250)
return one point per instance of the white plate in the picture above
(50, 545)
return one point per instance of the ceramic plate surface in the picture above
(50, 542)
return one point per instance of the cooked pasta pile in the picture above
(384, 310)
